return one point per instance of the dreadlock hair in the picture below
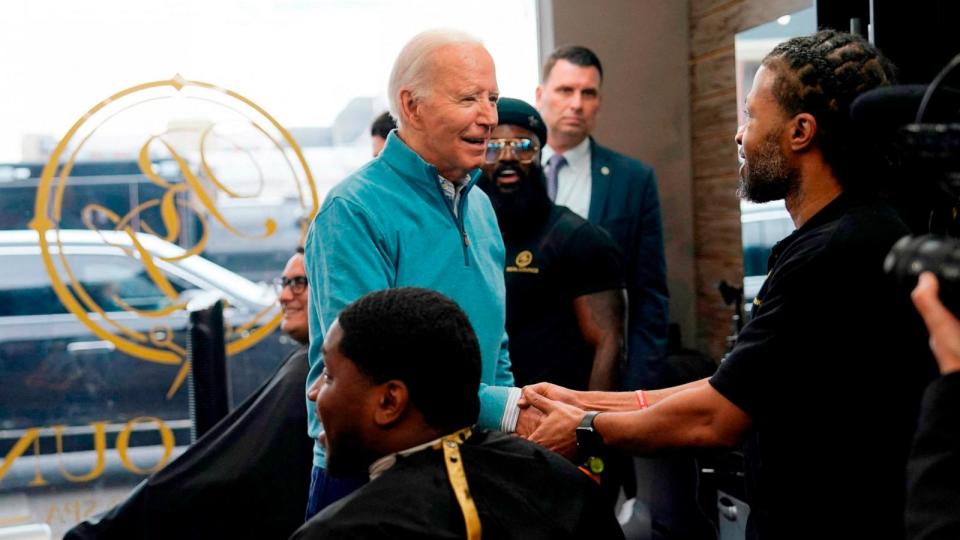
(424, 339)
(822, 74)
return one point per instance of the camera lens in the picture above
(940, 255)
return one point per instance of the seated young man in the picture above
(398, 399)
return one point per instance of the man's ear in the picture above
(803, 130)
(539, 93)
(392, 405)
(410, 108)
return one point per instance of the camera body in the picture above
(912, 255)
(926, 147)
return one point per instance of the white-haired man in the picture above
(411, 217)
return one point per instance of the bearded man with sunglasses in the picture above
(564, 276)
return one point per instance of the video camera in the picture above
(928, 147)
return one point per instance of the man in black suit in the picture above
(619, 194)
(613, 191)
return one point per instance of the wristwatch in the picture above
(590, 444)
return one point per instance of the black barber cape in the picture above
(520, 490)
(248, 477)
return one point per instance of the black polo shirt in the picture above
(830, 369)
(545, 271)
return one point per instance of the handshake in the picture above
(549, 416)
(696, 415)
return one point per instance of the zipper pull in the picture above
(466, 241)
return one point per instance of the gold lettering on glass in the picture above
(187, 130)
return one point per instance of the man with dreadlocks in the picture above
(824, 383)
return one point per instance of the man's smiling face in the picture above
(294, 305)
(509, 170)
(459, 111)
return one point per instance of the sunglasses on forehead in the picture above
(297, 284)
(524, 150)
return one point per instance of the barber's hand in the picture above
(550, 391)
(557, 430)
(944, 328)
(528, 421)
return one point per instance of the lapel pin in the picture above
(604, 171)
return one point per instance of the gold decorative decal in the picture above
(191, 136)
(123, 442)
(95, 460)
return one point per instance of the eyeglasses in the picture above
(297, 284)
(524, 150)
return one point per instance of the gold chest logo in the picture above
(522, 261)
(524, 258)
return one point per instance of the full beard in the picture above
(520, 211)
(767, 176)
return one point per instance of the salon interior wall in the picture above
(670, 100)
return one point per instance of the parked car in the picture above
(121, 186)
(65, 387)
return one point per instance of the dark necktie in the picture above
(554, 164)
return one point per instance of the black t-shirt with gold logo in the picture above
(568, 257)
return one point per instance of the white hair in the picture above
(412, 68)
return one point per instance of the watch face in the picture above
(583, 435)
(589, 442)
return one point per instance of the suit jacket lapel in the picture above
(600, 178)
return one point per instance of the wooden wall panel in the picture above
(713, 106)
(714, 155)
(699, 8)
(715, 115)
(712, 76)
(715, 28)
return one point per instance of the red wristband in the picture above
(642, 399)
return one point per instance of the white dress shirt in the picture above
(452, 191)
(574, 180)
